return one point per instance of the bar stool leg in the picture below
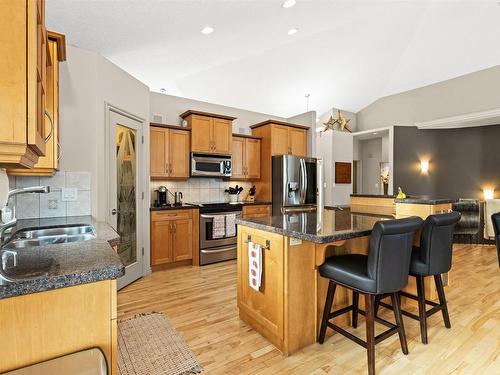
(370, 332)
(326, 312)
(442, 300)
(355, 308)
(396, 303)
(422, 312)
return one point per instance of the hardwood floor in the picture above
(201, 304)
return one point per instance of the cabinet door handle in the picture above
(175, 228)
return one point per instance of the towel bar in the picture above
(268, 243)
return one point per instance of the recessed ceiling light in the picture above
(288, 3)
(292, 31)
(207, 30)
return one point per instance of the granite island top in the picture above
(425, 200)
(55, 266)
(337, 225)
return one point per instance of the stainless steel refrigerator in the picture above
(294, 184)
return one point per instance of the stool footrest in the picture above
(341, 311)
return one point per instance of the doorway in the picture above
(125, 167)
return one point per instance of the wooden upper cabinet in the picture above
(297, 140)
(23, 68)
(169, 153)
(210, 133)
(238, 157)
(245, 158)
(222, 135)
(277, 138)
(158, 151)
(201, 134)
(280, 144)
(252, 158)
(179, 153)
(47, 165)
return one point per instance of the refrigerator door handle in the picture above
(303, 181)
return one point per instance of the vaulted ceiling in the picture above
(346, 53)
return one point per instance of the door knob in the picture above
(113, 211)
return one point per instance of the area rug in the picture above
(149, 345)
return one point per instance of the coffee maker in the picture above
(162, 196)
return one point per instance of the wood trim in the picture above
(196, 237)
(168, 126)
(208, 114)
(279, 123)
(60, 39)
(246, 136)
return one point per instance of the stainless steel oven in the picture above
(203, 165)
(216, 249)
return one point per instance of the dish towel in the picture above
(254, 265)
(492, 206)
(230, 225)
(219, 226)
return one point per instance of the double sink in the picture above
(51, 235)
(24, 239)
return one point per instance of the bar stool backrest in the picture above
(436, 242)
(390, 253)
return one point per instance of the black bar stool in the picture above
(384, 270)
(432, 258)
(496, 226)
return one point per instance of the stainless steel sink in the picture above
(47, 236)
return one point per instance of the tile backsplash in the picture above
(200, 189)
(29, 206)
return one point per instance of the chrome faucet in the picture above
(12, 222)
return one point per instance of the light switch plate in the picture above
(69, 194)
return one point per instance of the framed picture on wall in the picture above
(343, 173)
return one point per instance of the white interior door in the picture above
(124, 203)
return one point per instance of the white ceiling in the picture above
(347, 53)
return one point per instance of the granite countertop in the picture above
(189, 205)
(337, 225)
(425, 200)
(55, 266)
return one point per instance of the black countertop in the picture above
(55, 266)
(425, 200)
(191, 205)
(410, 199)
(337, 225)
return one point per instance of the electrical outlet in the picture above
(53, 204)
(69, 194)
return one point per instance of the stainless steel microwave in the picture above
(206, 165)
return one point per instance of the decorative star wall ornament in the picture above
(341, 121)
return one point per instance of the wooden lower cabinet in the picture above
(46, 325)
(174, 236)
(261, 210)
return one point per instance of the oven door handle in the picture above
(213, 216)
(219, 250)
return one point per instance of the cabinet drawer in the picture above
(257, 210)
(171, 215)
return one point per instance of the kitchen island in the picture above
(287, 308)
(61, 297)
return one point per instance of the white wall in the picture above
(478, 91)
(170, 107)
(87, 82)
(335, 146)
(370, 152)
